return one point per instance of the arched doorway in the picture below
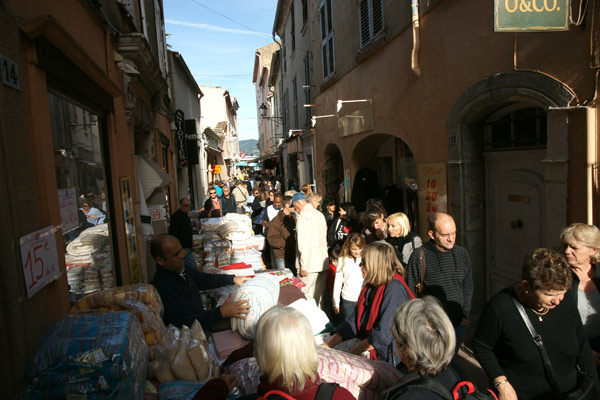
(507, 173)
(333, 173)
(383, 166)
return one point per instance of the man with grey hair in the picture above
(311, 248)
(447, 271)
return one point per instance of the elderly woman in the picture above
(504, 346)
(401, 237)
(286, 354)
(425, 341)
(384, 291)
(581, 243)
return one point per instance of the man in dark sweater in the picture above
(181, 227)
(447, 271)
(227, 202)
(179, 285)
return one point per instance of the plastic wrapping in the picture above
(365, 379)
(141, 299)
(210, 224)
(99, 355)
(181, 364)
(262, 293)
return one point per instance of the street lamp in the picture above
(263, 113)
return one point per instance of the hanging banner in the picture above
(181, 139)
(129, 219)
(531, 15)
(433, 193)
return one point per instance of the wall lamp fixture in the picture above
(340, 103)
(314, 118)
(263, 113)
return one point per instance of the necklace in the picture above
(540, 314)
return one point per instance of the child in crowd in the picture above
(334, 256)
(348, 277)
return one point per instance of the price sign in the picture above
(67, 201)
(432, 192)
(217, 169)
(39, 259)
(157, 213)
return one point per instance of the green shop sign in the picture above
(531, 15)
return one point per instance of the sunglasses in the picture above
(213, 193)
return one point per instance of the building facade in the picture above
(85, 105)
(497, 128)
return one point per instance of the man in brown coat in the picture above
(282, 238)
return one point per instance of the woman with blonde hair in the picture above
(401, 237)
(581, 243)
(425, 341)
(384, 291)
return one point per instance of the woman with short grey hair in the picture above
(425, 341)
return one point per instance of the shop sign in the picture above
(39, 259)
(531, 15)
(129, 220)
(157, 213)
(67, 201)
(181, 139)
(433, 193)
(217, 169)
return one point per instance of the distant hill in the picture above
(249, 147)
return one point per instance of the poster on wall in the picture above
(433, 193)
(129, 219)
(39, 259)
(67, 201)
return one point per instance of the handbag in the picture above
(420, 287)
(585, 389)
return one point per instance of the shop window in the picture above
(80, 174)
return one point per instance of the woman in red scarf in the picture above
(383, 293)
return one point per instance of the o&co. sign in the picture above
(531, 15)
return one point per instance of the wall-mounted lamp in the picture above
(263, 113)
(291, 131)
(313, 119)
(340, 103)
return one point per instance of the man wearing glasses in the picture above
(212, 205)
(181, 228)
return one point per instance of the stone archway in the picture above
(333, 173)
(466, 167)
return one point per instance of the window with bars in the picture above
(327, 50)
(524, 128)
(370, 20)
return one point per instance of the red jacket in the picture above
(308, 393)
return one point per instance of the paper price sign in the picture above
(67, 200)
(39, 259)
(157, 213)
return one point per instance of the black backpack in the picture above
(463, 390)
(325, 392)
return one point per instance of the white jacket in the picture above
(348, 280)
(311, 241)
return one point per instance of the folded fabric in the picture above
(262, 293)
(317, 317)
(226, 342)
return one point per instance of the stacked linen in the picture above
(248, 251)
(217, 253)
(93, 356)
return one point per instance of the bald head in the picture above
(442, 230)
(167, 252)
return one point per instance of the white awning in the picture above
(151, 175)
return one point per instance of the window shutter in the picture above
(330, 58)
(377, 17)
(363, 11)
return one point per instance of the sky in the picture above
(217, 40)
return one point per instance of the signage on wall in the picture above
(39, 259)
(9, 70)
(531, 15)
(67, 201)
(216, 169)
(181, 139)
(129, 220)
(157, 213)
(433, 193)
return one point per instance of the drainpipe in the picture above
(591, 162)
(414, 61)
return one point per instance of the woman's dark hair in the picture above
(329, 200)
(546, 269)
(350, 210)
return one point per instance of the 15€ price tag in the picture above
(39, 259)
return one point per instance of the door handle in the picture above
(518, 224)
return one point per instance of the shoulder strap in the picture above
(326, 391)
(426, 383)
(423, 264)
(540, 345)
(276, 394)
